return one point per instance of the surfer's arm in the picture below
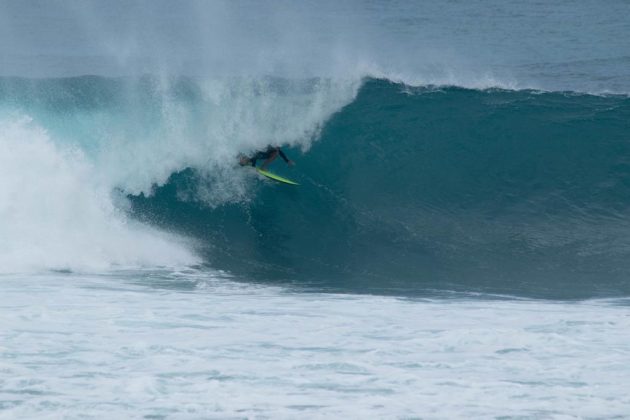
(284, 157)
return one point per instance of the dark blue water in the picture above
(408, 190)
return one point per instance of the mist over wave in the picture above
(138, 131)
(473, 44)
(129, 135)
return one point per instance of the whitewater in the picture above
(458, 247)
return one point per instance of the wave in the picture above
(416, 189)
(404, 189)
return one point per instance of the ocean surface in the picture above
(458, 247)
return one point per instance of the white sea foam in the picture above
(57, 213)
(80, 347)
(232, 116)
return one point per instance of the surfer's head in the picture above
(244, 160)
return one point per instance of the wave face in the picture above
(412, 189)
(403, 189)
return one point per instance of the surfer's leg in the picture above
(270, 159)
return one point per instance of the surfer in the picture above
(270, 154)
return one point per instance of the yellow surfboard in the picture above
(276, 177)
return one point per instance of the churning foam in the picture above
(57, 214)
(207, 129)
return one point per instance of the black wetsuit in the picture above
(267, 154)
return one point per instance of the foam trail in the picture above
(57, 215)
